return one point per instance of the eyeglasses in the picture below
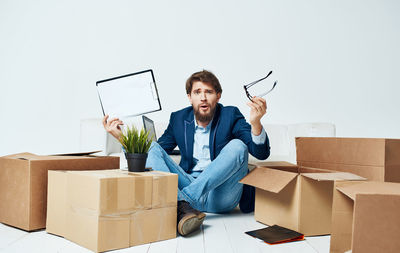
(246, 87)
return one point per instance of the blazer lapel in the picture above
(213, 132)
(189, 135)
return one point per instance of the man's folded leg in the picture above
(226, 197)
(227, 169)
(189, 219)
(158, 159)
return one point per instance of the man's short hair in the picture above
(205, 77)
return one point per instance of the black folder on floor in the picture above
(276, 234)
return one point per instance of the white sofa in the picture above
(282, 138)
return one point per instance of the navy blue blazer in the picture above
(228, 124)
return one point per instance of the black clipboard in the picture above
(129, 95)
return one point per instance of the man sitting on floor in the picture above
(214, 141)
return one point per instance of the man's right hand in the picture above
(112, 126)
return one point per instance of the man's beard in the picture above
(204, 117)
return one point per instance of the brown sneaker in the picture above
(189, 219)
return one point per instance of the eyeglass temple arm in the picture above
(259, 80)
(262, 95)
(247, 93)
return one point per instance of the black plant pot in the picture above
(136, 162)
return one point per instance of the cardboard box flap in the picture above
(270, 164)
(349, 190)
(334, 176)
(23, 156)
(17, 155)
(79, 153)
(369, 187)
(34, 157)
(268, 179)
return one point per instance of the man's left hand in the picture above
(258, 108)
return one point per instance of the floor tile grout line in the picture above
(227, 234)
(69, 243)
(246, 224)
(11, 243)
(177, 244)
(148, 249)
(60, 250)
(311, 246)
(204, 240)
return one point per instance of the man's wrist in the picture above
(256, 128)
(116, 135)
(259, 139)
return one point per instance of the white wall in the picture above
(336, 61)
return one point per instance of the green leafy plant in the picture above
(135, 141)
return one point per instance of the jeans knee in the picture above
(154, 144)
(238, 146)
(238, 149)
(155, 152)
(154, 147)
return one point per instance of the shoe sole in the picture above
(190, 224)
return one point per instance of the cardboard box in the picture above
(112, 209)
(23, 184)
(295, 197)
(365, 217)
(56, 202)
(374, 159)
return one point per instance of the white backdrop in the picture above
(336, 61)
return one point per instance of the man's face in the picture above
(204, 100)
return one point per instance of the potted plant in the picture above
(136, 144)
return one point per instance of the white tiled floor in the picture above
(220, 233)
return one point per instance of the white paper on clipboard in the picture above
(129, 95)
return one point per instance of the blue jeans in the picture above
(216, 189)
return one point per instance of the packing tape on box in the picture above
(111, 187)
(161, 196)
(119, 193)
(153, 225)
(128, 194)
(92, 212)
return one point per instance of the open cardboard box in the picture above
(112, 209)
(295, 197)
(374, 159)
(23, 184)
(366, 217)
